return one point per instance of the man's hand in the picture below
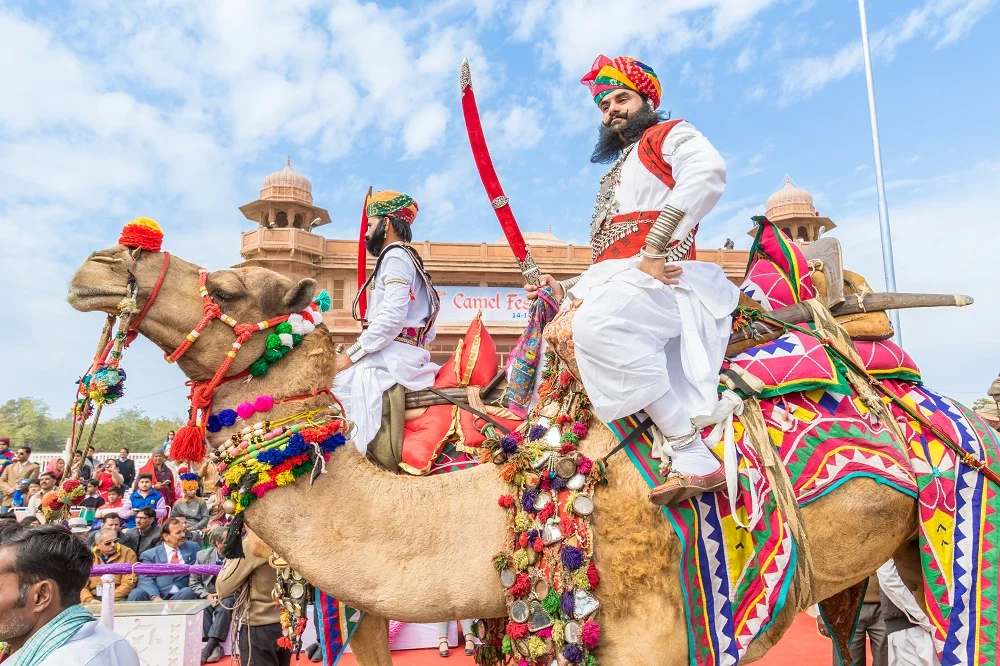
(214, 598)
(821, 627)
(156, 598)
(660, 270)
(545, 281)
(342, 362)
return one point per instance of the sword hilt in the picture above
(529, 269)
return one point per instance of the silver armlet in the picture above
(664, 227)
(569, 284)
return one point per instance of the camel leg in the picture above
(370, 643)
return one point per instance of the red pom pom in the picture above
(521, 586)
(506, 501)
(143, 233)
(517, 630)
(593, 576)
(538, 545)
(546, 512)
(188, 444)
(566, 525)
(522, 540)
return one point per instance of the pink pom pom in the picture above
(263, 403)
(245, 410)
(590, 635)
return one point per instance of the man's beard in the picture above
(612, 140)
(16, 625)
(376, 241)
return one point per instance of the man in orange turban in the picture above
(652, 331)
(402, 307)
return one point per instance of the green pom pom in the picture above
(259, 368)
(296, 339)
(272, 355)
(273, 341)
(590, 660)
(283, 327)
(551, 602)
(508, 647)
(323, 301)
(283, 350)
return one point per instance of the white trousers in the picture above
(912, 647)
(360, 389)
(640, 342)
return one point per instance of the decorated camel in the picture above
(421, 549)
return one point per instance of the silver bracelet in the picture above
(569, 284)
(652, 255)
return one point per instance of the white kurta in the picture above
(913, 646)
(636, 338)
(398, 300)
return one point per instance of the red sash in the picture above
(632, 237)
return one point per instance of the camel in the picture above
(419, 549)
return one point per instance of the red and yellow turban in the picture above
(392, 204)
(607, 75)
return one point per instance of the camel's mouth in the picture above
(89, 299)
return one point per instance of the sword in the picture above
(488, 174)
(363, 260)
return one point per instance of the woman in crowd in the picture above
(191, 507)
(57, 468)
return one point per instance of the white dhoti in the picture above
(911, 647)
(361, 386)
(639, 340)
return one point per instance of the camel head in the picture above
(248, 295)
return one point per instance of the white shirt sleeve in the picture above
(890, 582)
(396, 275)
(699, 174)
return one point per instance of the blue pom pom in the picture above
(571, 557)
(573, 653)
(227, 417)
(528, 500)
(566, 604)
(323, 301)
(213, 423)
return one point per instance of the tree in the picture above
(979, 403)
(27, 421)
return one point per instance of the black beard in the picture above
(376, 241)
(612, 140)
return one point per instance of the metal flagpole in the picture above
(883, 209)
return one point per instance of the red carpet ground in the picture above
(800, 644)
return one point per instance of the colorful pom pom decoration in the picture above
(142, 233)
(289, 334)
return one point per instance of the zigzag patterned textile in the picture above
(734, 581)
(959, 541)
(337, 623)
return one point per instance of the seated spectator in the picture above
(146, 495)
(57, 468)
(260, 625)
(109, 520)
(79, 468)
(191, 507)
(110, 551)
(43, 621)
(20, 497)
(146, 533)
(117, 501)
(107, 476)
(46, 483)
(217, 617)
(165, 479)
(175, 549)
(79, 527)
(93, 498)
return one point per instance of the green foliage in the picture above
(979, 403)
(28, 421)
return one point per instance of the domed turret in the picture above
(285, 201)
(792, 209)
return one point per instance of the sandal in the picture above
(443, 649)
(470, 645)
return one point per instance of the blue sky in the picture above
(177, 110)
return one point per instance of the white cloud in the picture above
(699, 77)
(943, 20)
(756, 93)
(517, 128)
(425, 128)
(745, 59)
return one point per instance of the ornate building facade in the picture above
(470, 277)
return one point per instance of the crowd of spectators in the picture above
(149, 515)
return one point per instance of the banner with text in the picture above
(500, 305)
